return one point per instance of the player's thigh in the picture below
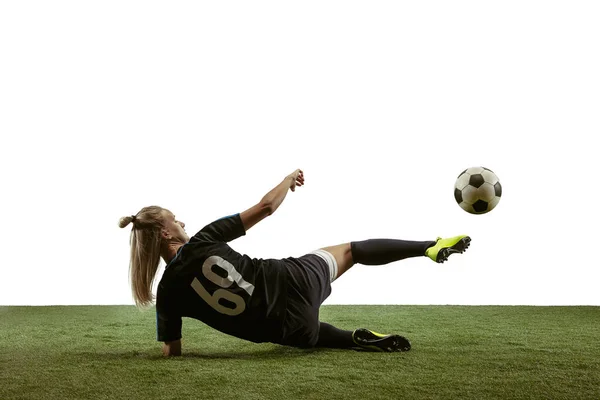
(343, 257)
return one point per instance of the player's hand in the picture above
(296, 178)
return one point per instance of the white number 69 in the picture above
(232, 276)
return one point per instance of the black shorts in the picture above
(308, 285)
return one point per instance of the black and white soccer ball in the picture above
(477, 190)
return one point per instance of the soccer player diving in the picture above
(259, 300)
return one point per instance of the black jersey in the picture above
(233, 293)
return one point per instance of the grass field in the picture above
(110, 352)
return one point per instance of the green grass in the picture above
(110, 352)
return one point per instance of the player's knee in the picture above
(348, 255)
(344, 258)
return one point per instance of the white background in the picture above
(203, 107)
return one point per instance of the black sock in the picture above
(332, 337)
(384, 251)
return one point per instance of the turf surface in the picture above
(458, 352)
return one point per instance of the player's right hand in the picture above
(297, 179)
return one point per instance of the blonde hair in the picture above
(145, 241)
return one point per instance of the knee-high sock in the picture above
(332, 337)
(384, 251)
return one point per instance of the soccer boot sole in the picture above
(460, 247)
(367, 339)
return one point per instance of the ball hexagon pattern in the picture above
(477, 190)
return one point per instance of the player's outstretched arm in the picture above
(272, 200)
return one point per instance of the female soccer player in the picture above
(260, 300)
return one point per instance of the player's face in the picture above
(175, 228)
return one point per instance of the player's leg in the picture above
(384, 251)
(332, 337)
(309, 286)
(375, 252)
(342, 257)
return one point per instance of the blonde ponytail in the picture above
(145, 241)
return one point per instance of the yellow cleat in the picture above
(379, 342)
(444, 247)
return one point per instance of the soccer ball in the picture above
(477, 190)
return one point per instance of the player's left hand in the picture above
(297, 179)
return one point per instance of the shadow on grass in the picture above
(270, 354)
(273, 353)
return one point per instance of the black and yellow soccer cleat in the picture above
(444, 247)
(374, 341)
